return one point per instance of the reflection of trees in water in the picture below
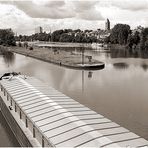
(8, 57)
(90, 74)
(121, 65)
(128, 53)
(144, 66)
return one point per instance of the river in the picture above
(7, 138)
(119, 91)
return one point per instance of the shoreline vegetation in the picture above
(64, 58)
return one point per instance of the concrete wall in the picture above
(21, 137)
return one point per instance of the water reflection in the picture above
(128, 53)
(121, 65)
(111, 92)
(9, 58)
(7, 139)
(90, 74)
(144, 66)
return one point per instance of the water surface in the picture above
(119, 91)
(7, 138)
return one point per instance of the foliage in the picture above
(66, 38)
(7, 37)
(56, 35)
(133, 39)
(144, 39)
(38, 36)
(119, 34)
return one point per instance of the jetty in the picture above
(49, 118)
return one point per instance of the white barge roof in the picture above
(63, 121)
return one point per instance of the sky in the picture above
(24, 16)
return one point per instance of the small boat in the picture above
(9, 75)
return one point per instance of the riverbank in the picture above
(60, 44)
(61, 57)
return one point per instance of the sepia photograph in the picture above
(74, 73)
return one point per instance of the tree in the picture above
(66, 38)
(7, 37)
(144, 39)
(56, 35)
(133, 39)
(119, 34)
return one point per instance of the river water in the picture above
(6, 136)
(119, 91)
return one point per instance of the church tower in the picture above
(107, 24)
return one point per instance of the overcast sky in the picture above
(24, 16)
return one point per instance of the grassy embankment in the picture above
(61, 57)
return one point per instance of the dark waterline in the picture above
(119, 91)
(7, 138)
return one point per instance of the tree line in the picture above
(122, 34)
(62, 35)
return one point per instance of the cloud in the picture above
(43, 9)
(133, 5)
(24, 16)
(58, 9)
(87, 10)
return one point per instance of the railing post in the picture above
(20, 114)
(11, 101)
(4, 93)
(15, 108)
(7, 97)
(26, 122)
(43, 141)
(33, 131)
(1, 88)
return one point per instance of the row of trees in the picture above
(66, 35)
(76, 36)
(123, 35)
(7, 37)
(38, 36)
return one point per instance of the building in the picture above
(39, 30)
(107, 25)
